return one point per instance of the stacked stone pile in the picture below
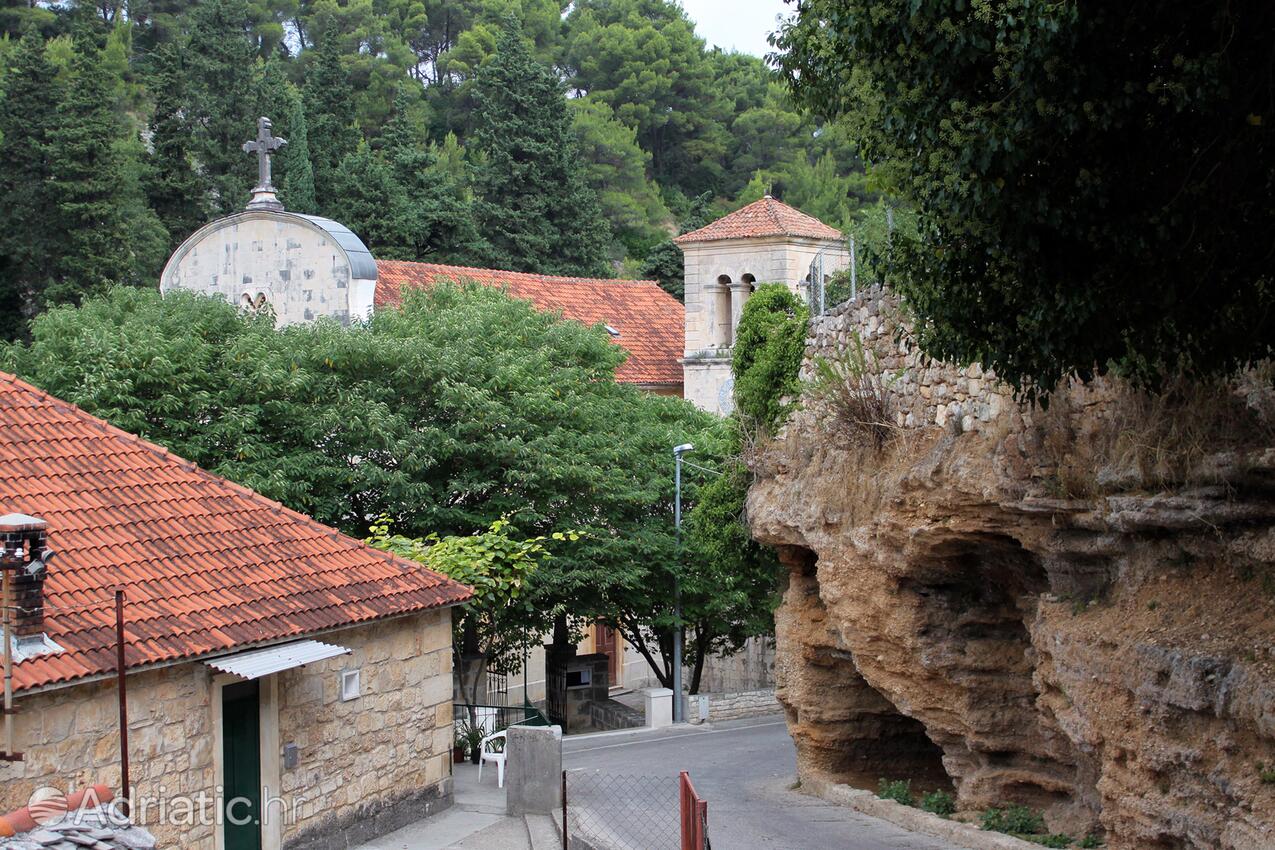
(95, 828)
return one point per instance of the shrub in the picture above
(1015, 820)
(856, 393)
(898, 790)
(770, 342)
(1057, 839)
(939, 802)
(1266, 773)
(1089, 841)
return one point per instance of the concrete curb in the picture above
(543, 831)
(911, 818)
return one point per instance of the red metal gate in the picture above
(694, 816)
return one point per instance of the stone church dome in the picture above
(303, 266)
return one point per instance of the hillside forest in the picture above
(536, 135)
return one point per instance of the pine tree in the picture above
(27, 115)
(329, 111)
(89, 186)
(176, 191)
(534, 206)
(373, 204)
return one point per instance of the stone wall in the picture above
(922, 392)
(380, 761)
(732, 706)
(373, 762)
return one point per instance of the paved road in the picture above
(744, 769)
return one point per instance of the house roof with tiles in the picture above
(207, 566)
(640, 316)
(766, 217)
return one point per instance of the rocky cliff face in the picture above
(1071, 609)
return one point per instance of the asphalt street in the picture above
(745, 770)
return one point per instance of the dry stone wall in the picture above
(923, 392)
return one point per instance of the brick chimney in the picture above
(25, 553)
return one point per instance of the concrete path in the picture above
(744, 769)
(476, 821)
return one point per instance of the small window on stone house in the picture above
(350, 685)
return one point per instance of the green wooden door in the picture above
(241, 760)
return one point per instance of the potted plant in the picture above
(474, 740)
(458, 748)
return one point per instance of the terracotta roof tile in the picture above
(649, 320)
(207, 565)
(766, 217)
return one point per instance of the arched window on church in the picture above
(252, 304)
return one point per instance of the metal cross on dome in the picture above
(263, 194)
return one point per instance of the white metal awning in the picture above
(255, 663)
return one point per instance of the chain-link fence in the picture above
(610, 811)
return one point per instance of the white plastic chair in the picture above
(492, 756)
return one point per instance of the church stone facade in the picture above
(764, 242)
(304, 267)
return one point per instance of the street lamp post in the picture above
(678, 451)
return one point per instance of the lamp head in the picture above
(684, 448)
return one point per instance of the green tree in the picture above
(94, 188)
(329, 113)
(296, 189)
(463, 407)
(534, 206)
(615, 168)
(501, 621)
(642, 58)
(438, 214)
(177, 193)
(28, 115)
(770, 342)
(1093, 184)
(220, 60)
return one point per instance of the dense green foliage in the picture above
(535, 210)
(665, 131)
(1094, 183)
(770, 342)
(731, 581)
(464, 407)
(501, 621)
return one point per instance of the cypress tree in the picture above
(329, 111)
(177, 194)
(89, 186)
(534, 206)
(221, 62)
(27, 115)
(296, 190)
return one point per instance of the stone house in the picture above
(287, 686)
(766, 241)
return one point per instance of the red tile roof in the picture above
(650, 321)
(766, 217)
(207, 565)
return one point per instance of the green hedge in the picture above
(769, 345)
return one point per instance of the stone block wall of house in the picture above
(379, 761)
(365, 764)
